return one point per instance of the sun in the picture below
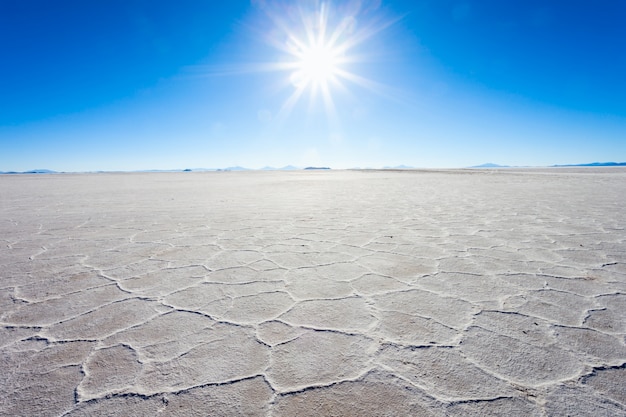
(317, 64)
(316, 50)
(318, 46)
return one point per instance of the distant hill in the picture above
(317, 168)
(32, 171)
(40, 171)
(151, 170)
(595, 164)
(288, 168)
(236, 168)
(490, 165)
(285, 168)
(399, 167)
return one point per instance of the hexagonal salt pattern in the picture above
(337, 293)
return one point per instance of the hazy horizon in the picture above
(129, 86)
(290, 167)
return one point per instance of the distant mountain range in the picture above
(595, 164)
(285, 168)
(490, 165)
(592, 164)
(32, 171)
(294, 168)
(399, 167)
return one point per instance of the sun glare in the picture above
(317, 64)
(318, 45)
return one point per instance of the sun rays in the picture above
(318, 46)
(321, 47)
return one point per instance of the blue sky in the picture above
(132, 84)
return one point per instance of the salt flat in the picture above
(330, 293)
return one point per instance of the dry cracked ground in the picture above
(336, 293)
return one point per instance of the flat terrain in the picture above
(314, 293)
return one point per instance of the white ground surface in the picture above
(335, 293)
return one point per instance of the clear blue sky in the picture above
(133, 84)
